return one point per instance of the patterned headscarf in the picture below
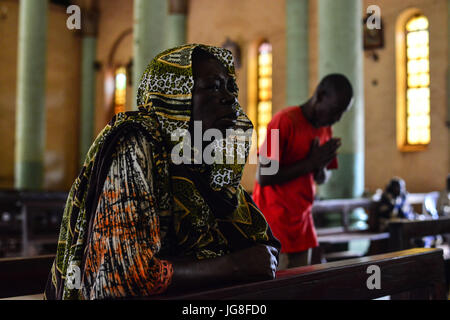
(203, 210)
(166, 90)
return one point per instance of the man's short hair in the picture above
(338, 84)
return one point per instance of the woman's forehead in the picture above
(208, 68)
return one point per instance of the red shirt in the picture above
(287, 207)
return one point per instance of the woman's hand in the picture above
(256, 263)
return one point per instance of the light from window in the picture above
(120, 92)
(418, 82)
(264, 90)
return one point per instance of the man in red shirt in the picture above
(301, 155)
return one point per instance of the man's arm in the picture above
(322, 175)
(284, 173)
(318, 158)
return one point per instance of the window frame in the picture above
(402, 82)
(117, 108)
(260, 139)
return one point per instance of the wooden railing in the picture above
(346, 206)
(24, 208)
(21, 276)
(342, 235)
(403, 231)
(410, 274)
(342, 206)
(24, 276)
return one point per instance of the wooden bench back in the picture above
(401, 232)
(410, 274)
(35, 218)
(346, 206)
(24, 276)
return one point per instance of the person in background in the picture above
(391, 204)
(303, 154)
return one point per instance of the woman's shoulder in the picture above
(138, 122)
(134, 143)
(126, 135)
(133, 128)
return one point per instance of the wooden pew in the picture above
(397, 238)
(35, 204)
(403, 231)
(26, 211)
(342, 206)
(346, 206)
(411, 274)
(330, 237)
(24, 276)
(342, 235)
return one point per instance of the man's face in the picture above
(212, 98)
(329, 109)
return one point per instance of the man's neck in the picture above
(307, 110)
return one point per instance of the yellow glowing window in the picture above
(120, 92)
(417, 82)
(264, 90)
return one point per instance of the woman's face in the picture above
(212, 98)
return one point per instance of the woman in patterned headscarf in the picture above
(137, 222)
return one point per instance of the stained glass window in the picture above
(264, 90)
(120, 91)
(418, 82)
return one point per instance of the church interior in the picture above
(68, 66)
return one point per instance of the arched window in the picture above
(120, 90)
(264, 89)
(414, 110)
